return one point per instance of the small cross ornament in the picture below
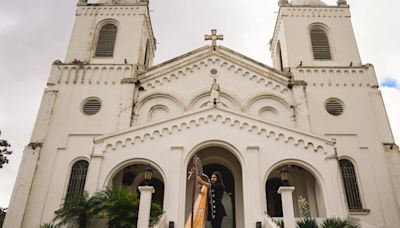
(214, 37)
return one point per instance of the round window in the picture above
(334, 106)
(91, 106)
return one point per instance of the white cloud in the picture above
(391, 97)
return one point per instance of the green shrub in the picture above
(307, 223)
(338, 223)
(48, 225)
(280, 223)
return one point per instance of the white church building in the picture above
(317, 115)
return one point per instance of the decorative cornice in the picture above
(266, 78)
(228, 118)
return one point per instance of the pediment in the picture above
(184, 85)
(222, 57)
(230, 121)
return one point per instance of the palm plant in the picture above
(307, 222)
(48, 225)
(78, 210)
(338, 223)
(120, 206)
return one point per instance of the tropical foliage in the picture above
(119, 206)
(79, 210)
(307, 222)
(48, 225)
(338, 223)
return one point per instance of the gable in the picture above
(213, 121)
(184, 83)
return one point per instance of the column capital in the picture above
(284, 189)
(146, 189)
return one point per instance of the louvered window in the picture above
(320, 44)
(106, 41)
(334, 106)
(91, 106)
(350, 184)
(77, 179)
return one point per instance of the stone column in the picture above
(144, 206)
(287, 206)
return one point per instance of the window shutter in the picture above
(320, 44)
(106, 41)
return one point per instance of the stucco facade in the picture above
(265, 118)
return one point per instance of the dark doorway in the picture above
(274, 200)
(229, 183)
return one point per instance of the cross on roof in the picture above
(214, 37)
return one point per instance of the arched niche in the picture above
(131, 176)
(306, 186)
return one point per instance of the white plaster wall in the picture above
(295, 40)
(133, 31)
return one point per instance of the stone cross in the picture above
(214, 37)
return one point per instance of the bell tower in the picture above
(311, 33)
(112, 32)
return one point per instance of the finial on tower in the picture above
(342, 3)
(283, 3)
(214, 37)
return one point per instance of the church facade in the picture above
(316, 116)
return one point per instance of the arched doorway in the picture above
(215, 158)
(306, 186)
(132, 176)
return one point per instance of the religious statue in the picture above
(215, 90)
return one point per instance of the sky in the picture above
(35, 33)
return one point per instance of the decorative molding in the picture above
(225, 117)
(336, 76)
(237, 70)
(92, 74)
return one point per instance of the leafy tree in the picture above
(79, 210)
(3, 212)
(4, 152)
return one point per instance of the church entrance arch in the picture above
(216, 158)
(307, 196)
(131, 176)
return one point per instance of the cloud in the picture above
(390, 83)
(391, 97)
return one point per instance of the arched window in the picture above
(106, 41)
(77, 179)
(320, 44)
(350, 184)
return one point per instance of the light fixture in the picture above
(148, 174)
(285, 176)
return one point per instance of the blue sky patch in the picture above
(391, 83)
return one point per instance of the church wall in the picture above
(67, 122)
(129, 40)
(296, 22)
(358, 134)
(189, 86)
(256, 152)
